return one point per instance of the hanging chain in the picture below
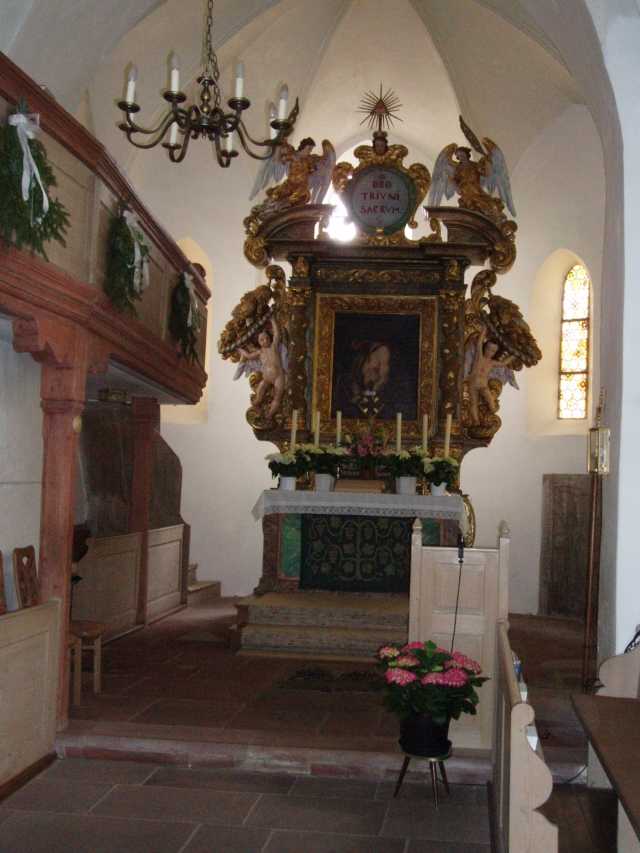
(209, 58)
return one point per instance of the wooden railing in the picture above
(483, 600)
(521, 780)
(28, 683)
(70, 286)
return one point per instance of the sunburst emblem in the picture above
(379, 109)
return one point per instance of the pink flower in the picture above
(408, 660)
(433, 678)
(387, 652)
(466, 663)
(442, 651)
(411, 646)
(401, 677)
(454, 678)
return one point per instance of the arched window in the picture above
(574, 344)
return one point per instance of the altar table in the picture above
(348, 542)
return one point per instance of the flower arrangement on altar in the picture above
(407, 463)
(291, 463)
(424, 679)
(323, 458)
(440, 469)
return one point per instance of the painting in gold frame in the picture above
(375, 356)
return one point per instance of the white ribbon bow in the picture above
(140, 261)
(193, 315)
(26, 127)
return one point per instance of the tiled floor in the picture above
(79, 806)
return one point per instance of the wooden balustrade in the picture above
(70, 286)
(521, 780)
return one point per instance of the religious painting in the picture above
(375, 356)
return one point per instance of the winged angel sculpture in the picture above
(474, 181)
(307, 176)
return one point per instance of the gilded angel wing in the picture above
(498, 178)
(320, 178)
(470, 355)
(505, 375)
(272, 171)
(442, 183)
(246, 368)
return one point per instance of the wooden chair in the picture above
(3, 600)
(28, 592)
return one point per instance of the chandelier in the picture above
(207, 119)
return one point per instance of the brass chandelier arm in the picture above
(130, 128)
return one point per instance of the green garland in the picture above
(21, 222)
(182, 310)
(119, 284)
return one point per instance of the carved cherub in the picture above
(307, 176)
(474, 182)
(481, 366)
(267, 360)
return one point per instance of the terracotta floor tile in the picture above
(323, 787)
(153, 802)
(316, 842)
(347, 816)
(185, 712)
(450, 823)
(50, 833)
(221, 780)
(113, 772)
(436, 847)
(57, 795)
(223, 839)
(279, 719)
(356, 723)
(460, 794)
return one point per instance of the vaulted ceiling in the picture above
(486, 58)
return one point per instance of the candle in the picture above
(228, 142)
(173, 136)
(294, 429)
(425, 432)
(239, 80)
(282, 105)
(272, 117)
(174, 79)
(447, 435)
(398, 432)
(338, 428)
(132, 77)
(316, 432)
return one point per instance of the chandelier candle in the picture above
(284, 101)
(174, 76)
(273, 115)
(239, 90)
(132, 78)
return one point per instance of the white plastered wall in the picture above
(20, 453)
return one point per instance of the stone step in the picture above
(203, 591)
(337, 642)
(381, 613)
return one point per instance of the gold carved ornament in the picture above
(385, 276)
(327, 306)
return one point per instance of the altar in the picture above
(348, 542)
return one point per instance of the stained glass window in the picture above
(574, 344)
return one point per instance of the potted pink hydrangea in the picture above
(427, 687)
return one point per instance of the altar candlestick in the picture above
(294, 429)
(338, 428)
(425, 432)
(398, 432)
(447, 435)
(316, 434)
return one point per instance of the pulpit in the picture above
(348, 542)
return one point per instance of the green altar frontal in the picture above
(343, 551)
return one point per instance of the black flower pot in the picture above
(419, 735)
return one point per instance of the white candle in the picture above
(338, 428)
(447, 435)
(132, 77)
(294, 429)
(425, 432)
(316, 432)
(228, 141)
(174, 79)
(398, 432)
(272, 117)
(282, 105)
(239, 92)
(173, 136)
